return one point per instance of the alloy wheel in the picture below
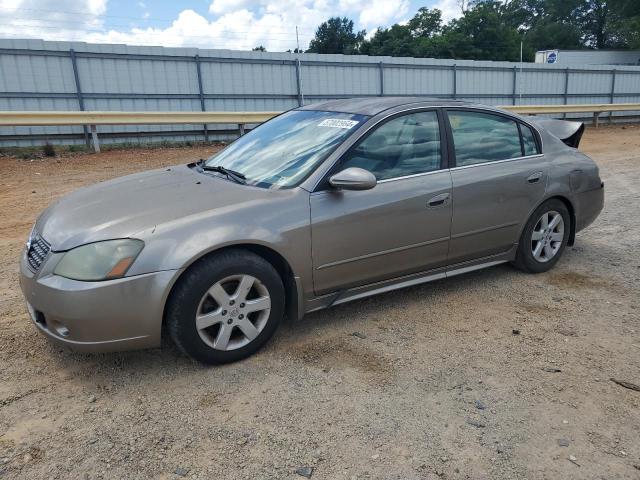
(233, 312)
(547, 236)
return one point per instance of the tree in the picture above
(494, 30)
(407, 40)
(396, 41)
(336, 35)
(426, 23)
(259, 48)
(484, 32)
(628, 21)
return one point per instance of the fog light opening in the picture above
(39, 318)
(59, 328)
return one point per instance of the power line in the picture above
(291, 34)
(101, 15)
(224, 35)
(218, 43)
(151, 43)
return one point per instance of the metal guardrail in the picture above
(578, 108)
(595, 108)
(42, 118)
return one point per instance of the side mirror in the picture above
(353, 178)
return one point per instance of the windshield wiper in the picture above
(232, 174)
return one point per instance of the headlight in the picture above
(100, 260)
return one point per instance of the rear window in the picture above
(528, 141)
(483, 137)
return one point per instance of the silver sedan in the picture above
(319, 206)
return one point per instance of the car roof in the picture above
(374, 105)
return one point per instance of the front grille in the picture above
(38, 251)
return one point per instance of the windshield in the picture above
(283, 151)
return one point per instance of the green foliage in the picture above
(259, 48)
(493, 30)
(336, 35)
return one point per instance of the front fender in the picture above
(280, 224)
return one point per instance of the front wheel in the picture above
(225, 307)
(544, 237)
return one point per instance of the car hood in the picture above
(124, 206)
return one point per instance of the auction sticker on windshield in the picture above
(338, 123)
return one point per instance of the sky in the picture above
(232, 24)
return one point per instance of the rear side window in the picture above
(528, 141)
(403, 146)
(483, 137)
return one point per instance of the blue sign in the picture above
(552, 57)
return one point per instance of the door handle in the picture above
(438, 200)
(534, 177)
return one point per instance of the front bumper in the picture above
(113, 315)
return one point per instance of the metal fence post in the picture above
(613, 91)
(201, 93)
(515, 80)
(94, 138)
(76, 77)
(381, 71)
(566, 89)
(299, 82)
(455, 80)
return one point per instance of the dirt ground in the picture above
(434, 384)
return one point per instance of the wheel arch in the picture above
(572, 216)
(277, 260)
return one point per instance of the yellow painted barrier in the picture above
(42, 118)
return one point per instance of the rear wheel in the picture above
(544, 237)
(225, 307)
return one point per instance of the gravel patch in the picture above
(493, 375)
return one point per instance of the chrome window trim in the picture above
(493, 162)
(488, 109)
(368, 128)
(515, 117)
(422, 174)
(387, 180)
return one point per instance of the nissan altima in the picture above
(321, 205)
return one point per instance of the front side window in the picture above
(483, 137)
(283, 151)
(405, 145)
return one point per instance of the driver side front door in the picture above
(399, 227)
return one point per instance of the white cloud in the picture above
(379, 12)
(234, 24)
(450, 9)
(59, 20)
(219, 7)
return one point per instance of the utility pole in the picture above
(299, 71)
(520, 79)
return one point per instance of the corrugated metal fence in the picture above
(42, 75)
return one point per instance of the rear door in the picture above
(498, 177)
(400, 226)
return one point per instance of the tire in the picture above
(548, 243)
(225, 307)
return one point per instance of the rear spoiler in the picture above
(569, 132)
